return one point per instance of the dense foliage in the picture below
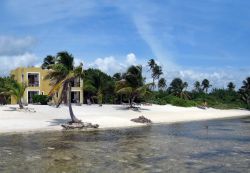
(10, 87)
(98, 86)
(41, 99)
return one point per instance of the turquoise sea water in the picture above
(204, 146)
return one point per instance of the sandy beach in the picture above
(45, 118)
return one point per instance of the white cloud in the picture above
(112, 65)
(108, 64)
(217, 77)
(15, 52)
(9, 63)
(131, 59)
(13, 46)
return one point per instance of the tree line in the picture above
(129, 87)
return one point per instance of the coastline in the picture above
(48, 118)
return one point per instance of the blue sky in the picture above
(192, 39)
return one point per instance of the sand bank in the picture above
(108, 116)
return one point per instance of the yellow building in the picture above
(34, 77)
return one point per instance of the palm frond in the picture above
(125, 90)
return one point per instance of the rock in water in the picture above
(79, 125)
(141, 119)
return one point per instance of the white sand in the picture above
(107, 116)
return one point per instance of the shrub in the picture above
(42, 99)
(181, 102)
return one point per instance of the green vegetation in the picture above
(41, 99)
(245, 92)
(129, 87)
(98, 86)
(132, 85)
(10, 87)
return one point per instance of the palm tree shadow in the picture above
(56, 122)
(11, 109)
(126, 108)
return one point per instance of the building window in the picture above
(75, 82)
(31, 94)
(33, 79)
(42, 93)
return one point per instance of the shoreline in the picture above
(48, 118)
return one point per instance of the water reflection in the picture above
(208, 146)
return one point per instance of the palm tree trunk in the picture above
(153, 83)
(20, 103)
(132, 101)
(248, 103)
(72, 115)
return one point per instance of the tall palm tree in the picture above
(62, 75)
(197, 86)
(231, 86)
(177, 88)
(162, 84)
(245, 91)
(205, 85)
(157, 72)
(151, 64)
(15, 89)
(48, 62)
(132, 85)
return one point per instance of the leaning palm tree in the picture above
(61, 77)
(14, 89)
(132, 85)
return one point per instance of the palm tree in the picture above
(205, 85)
(66, 59)
(162, 84)
(48, 62)
(197, 86)
(151, 64)
(96, 83)
(157, 72)
(62, 75)
(132, 85)
(177, 88)
(245, 91)
(231, 86)
(15, 89)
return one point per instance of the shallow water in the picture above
(206, 146)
